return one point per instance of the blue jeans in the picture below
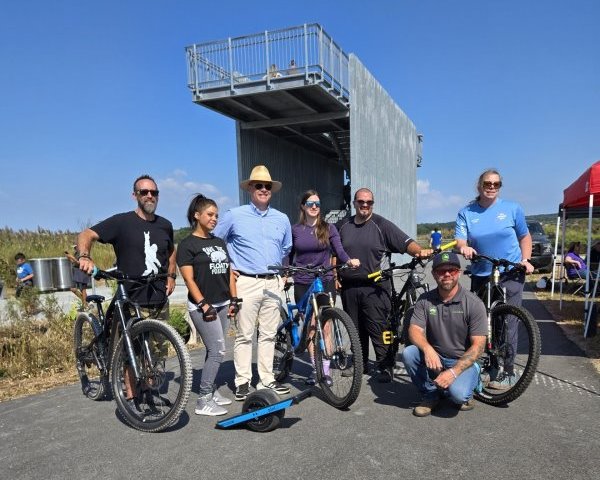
(460, 390)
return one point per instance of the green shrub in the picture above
(178, 322)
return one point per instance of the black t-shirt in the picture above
(142, 248)
(371, 242)
(209, 259)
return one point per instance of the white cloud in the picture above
(434, 205)
(177, 190)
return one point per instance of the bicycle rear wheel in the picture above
(338, 358)
(165, 368)
(89, 358)
(284, 355)
(508, 320)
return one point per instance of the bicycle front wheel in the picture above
(89, 358)
(338, 358)
(161, 393)
(515, 346)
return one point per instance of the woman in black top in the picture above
(204, 265)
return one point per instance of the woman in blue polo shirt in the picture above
(497, 228)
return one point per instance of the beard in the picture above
(148, 206)
(447, 285)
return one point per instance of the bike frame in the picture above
(307, 306)
(119, 304)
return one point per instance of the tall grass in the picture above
(35, 342)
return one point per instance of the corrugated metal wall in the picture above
(297, 168)
(383, 142)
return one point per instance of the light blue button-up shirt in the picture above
(255, 239)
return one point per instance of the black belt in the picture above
(268, 276)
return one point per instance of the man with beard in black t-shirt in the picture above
(143, 244)
(371, 238)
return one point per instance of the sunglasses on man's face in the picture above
(312, 203)
(142, 192)
(365, 202)
(443, 271)
(266, 186)
(494, 185)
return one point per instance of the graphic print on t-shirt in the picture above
(150, 250)
(217, 256)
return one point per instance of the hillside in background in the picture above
(546, 219)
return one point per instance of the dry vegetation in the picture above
(570, 319)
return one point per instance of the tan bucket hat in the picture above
(260, 174)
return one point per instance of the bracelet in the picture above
(452, 372)
(172, 275)
(201, 303)
(83, 255)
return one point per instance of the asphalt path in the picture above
(551, 432)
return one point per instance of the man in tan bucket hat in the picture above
(257, 235)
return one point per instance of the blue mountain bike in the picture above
(335, 342)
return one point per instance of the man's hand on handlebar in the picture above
(353, 263)
(86, 264)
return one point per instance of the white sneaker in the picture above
(220, 399)
(205, 405)
(278, 388)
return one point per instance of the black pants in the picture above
(369, 308)
(300, 289)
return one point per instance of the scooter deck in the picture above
(261, 412)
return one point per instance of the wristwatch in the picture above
(172, 275)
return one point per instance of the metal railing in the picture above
(304, 51)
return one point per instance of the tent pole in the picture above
(588, 301)
(555, 253)
(563, 274)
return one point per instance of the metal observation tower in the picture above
(314, 115)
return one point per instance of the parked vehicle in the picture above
(541, 254)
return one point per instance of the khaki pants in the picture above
(260, 307)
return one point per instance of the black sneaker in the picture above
(242, 391)
(134, 406)
(278, 388)
(385, 375)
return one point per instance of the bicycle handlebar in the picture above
(289, 270)
(387, 272)
(497, 262)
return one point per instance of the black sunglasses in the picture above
(312, 203)
(495, 185)
(365, 202)
(266, 186)
(145, 191)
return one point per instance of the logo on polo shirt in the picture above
(432, 311)
(501, 216)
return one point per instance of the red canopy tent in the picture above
(578, 193)
(581, 199)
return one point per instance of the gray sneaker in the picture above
(504, 381)
(220, 399)
(206, 405)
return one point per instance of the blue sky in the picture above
(94, 93)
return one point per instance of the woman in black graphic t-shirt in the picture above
(204, 265)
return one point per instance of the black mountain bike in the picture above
(403, 301)
(122, 351)
(500, 350)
